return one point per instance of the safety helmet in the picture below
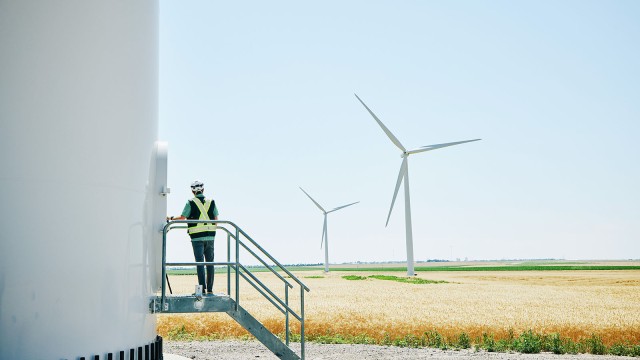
(197, 186)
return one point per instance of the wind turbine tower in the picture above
(404, 175)
(325, 236)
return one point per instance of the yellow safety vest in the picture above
(204, 215)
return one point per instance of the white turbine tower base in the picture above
(325, 235)
(404, 174)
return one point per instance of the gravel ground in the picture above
(242, 350)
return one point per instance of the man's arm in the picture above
(176, 218)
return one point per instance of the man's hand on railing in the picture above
(169, 218)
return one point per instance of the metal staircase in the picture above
(230, 303)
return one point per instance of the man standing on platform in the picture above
(202, 234)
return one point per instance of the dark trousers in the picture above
(203, 250)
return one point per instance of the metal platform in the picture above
(192, 303)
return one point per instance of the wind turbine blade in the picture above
(403, 169)
(324, 231)
(438, 146)
(342, 207)
(318, 205)
(384, 128)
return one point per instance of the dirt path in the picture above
(243, 350)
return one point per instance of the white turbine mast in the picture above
(404, 175)
(325, 235)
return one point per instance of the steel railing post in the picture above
(228, 266)
(164, 266)
(237, 268)
(286, 315)
(302, 322)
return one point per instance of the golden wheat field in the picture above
(575, 304)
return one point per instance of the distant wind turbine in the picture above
(404, 174)
(325, 235)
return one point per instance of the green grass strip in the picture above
(496, 268)
(408, 280)
(354, 277)
(528, 342)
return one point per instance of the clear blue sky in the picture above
(256, 99)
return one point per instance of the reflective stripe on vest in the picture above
(204, 215)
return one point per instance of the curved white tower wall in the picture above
(78, 129)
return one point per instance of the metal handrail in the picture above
(252, 253)
(240, 270)
(253, 242)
